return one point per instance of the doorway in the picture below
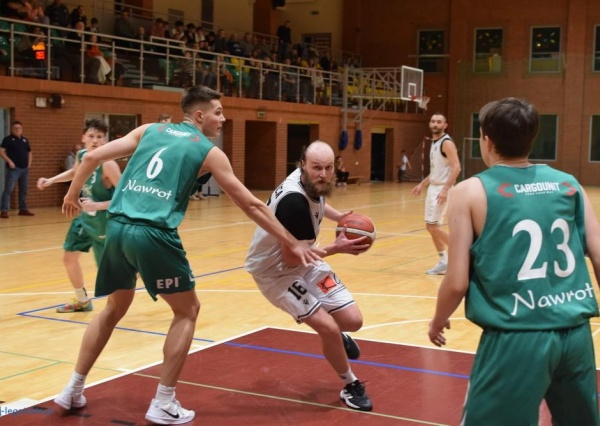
(378, 156)
(298, 137)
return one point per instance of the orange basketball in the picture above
(357, 225)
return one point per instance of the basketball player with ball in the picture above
(313, 294)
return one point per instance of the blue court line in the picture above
(355, 361)
(240, 345)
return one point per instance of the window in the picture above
(597, 48)
(595, 138)
(544, 147)
(488, 50)
(431, 50)
(545, 49)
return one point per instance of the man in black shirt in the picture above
(16, 152)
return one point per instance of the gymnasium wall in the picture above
(52, 131)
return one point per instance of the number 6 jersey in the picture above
(528, 268)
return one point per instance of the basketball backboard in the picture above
(412, 83)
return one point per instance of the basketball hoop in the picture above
(421, 101)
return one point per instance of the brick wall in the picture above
(52, 131)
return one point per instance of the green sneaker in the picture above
(76, 306)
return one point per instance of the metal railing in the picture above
(164, 63)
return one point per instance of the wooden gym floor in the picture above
(250, 363)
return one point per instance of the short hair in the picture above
(15, 123)
(511, 124)
(439, 113)
(196, 95)
(163, 117)
(95, 123)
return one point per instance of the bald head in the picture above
(318, 169)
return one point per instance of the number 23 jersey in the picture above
(528, 268)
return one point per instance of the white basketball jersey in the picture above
(264, 253)
(439, 170)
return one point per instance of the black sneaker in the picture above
(351, 347)
(355, 397)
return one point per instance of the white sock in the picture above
(77, 382)
(165, 393)
(81, 295)
(348, 377)
(443, 256)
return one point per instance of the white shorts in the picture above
(434, 213)
(303, 290)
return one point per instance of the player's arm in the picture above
(451, 153)
(65, 176)
(592, 232)
(122, 147)
(218, 164)
(456, 281)
(112, 171)
(417, 189)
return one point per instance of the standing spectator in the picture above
(88, 230)
(58, 14)
(519, 240)
(94, 26)
(233, 45)
(246, 45)
(190, 34)
(284, 40)
(220, 44)
(312, 294)
(71, 156)
(404, 166)
(78, 14)
(138, 219)
(16, 152)
(444, 169)
(341, 173)
(15, 9)
(124, 28)
(91, 64)
(93, 52)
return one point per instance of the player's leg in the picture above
(434, 219)
(572, 397)
(94, 340)
(76, 242)
(173, 281)
(510, 375)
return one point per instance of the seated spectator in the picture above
(340, 171)
(289, 82)
(78, 14)
(185, 70)
(70, 159)
(164, 118)
(93, 51)
(94, 26)
(15, 9)
(190, 36)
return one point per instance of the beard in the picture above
(322, 189)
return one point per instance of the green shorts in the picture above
(79, 238)
(514, 371)
(157, 254)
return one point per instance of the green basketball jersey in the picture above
(161, 175)
(94, 189)
(528, 270)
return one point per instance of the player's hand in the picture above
(71, 205)
(442, 196)
(303, 252)
(88, 205)
(43, 183)
(436, 333)
(355, 246)
(417, 189)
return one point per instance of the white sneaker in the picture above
(68, 399)
(171, 413)
(438, 269)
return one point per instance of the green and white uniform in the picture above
(148, 206)
(89, 229)
(531, 292)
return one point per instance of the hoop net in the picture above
(421, 101)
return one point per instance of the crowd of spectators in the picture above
(250, 63)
